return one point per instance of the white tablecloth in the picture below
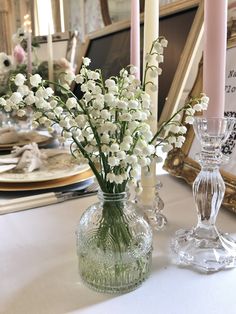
(39, 275)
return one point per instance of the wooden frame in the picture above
(60, 42)
(105, 12)
(180, 162)
(184, 62)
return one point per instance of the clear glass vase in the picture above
(204, 247)
(114, 245)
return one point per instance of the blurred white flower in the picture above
(121, 155)
(197, 107)
(148, 57)
(16, 97)
(153, 88)
(189, 120)
(114, 148)
(190, 111)
(175, 128)
(204, 106)
(105, 114)
(79, 79)
(166, 148)
(164, 42)
(133, 69)
(110, 83)
(178, 144)
(29, 100)
(21, 113)
(2, 102)
(35, 80)
(71, 103)
(138, 190)
(160, 58)
(23, 90)
(171, 139)
(86, 61)
(69, 77)
(19, 79)
(113, 161)
(159, 48)
(205, 99)
(182, 129)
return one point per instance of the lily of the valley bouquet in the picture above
(108, 129)
(108, 126)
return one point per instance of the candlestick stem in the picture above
(152, 205)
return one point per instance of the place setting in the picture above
(31, 176)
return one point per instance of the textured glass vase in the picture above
(114, 245)
(204, 247)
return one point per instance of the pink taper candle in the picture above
(27, 26)
(50, 54)
(29, 53)
(214, 58)
(135, 37)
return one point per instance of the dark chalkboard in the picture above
(111, 51)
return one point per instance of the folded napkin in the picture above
(28, 158)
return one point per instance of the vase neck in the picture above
(112, 197)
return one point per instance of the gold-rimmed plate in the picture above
(57, 167)
(78, 178)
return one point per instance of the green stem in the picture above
(91, 164)
(166, 123)
(113, 227)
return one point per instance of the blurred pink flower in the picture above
(19, 54)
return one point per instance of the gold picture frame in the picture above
(112, 34)
(180, 162)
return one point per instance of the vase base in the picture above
(206, 254)
(115, 276)
(112, 289)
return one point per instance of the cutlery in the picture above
(8, 163)
(8, 160)
(44, 199)
(4, 168)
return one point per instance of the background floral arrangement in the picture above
(10, 65)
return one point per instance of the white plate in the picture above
(59, 167)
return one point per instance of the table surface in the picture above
(39, 270)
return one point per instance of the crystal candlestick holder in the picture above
(152, 206)
(204, 247)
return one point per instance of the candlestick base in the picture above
(206, 250)
(152, 207)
